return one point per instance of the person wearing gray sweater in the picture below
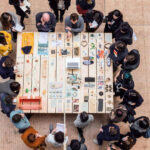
(10, 87)
(74, 24)
(83, 119)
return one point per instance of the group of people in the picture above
(124, 62)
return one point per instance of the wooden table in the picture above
(44, 72)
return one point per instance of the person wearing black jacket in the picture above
(45, 22)
(132, 98)
(113, 21)
(131, 61)
(118, 51)
(124, 33)
(19, 11)
(123, 81)
(59, 5)
(126, 142)
(140, 126)
(93, 16)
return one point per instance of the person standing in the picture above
(45, 22)
(113, 21)
(23, 14)
(59, 5)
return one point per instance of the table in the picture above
(60, 75)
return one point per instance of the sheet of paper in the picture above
(26, 4)
(60, 127)
(43, 38)
(18, 27)
(94, 24)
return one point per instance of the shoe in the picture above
(26, 16)
(51, 128)
(61, 19)
(82, 140)
(95, 141)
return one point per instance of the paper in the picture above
(18, 27)
(43, 44)
(94, 24)
(25, 6)
(60, 127)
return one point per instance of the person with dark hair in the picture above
(7, 105)
(122, 113)
(132, 98)
(22, 13)
(33, 139)
(45, 22)
(76, 145)
(113, 21)
(124, 33)
(10, 87)
(131, 61)
(19, 120)
(118, 51)
(123, 81)
(59, 5)
(84, 6)
(126, 142)
(140, 126)
(93, 20)
(5, 43)
(56, 137)
(83, 119)
(7, 67)
(73, 24)
(109, 132)
(8, 21)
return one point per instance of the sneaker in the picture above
(95, 141)
(61, 19)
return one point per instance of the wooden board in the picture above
(108, 77)
(100, 74)
(52, 104)
(92, 73)
(35, 71)
(84, 101)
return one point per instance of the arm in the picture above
(67, 4)
(67, 23)
(80, 28)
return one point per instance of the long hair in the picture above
(6, 22)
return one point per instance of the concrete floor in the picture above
(136, 12)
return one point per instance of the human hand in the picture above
(38, 24)
(101, 130)
(22, 115)
(69, 34)
(21, 4)
(109, 22)
(13, 30)
(90, 24)
(68, 28)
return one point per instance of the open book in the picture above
(25, 6)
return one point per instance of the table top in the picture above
(60, 75)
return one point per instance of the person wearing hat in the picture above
(123, 81)
(124, 33)
(117, 52)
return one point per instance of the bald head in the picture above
(45, 17)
